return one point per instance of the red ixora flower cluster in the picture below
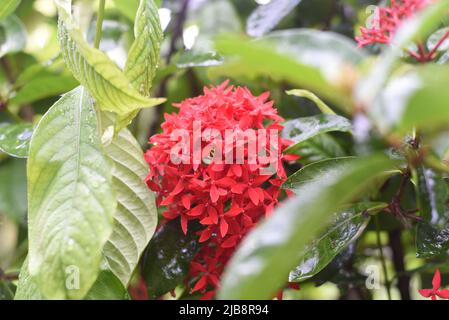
(227, 200)
(387, 20)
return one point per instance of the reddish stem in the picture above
(431, 54)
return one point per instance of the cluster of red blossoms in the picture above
(387, 20)
(227, 200)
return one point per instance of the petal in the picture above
(205, 235)
(214, 195)
(233, 212)
(230, 242)
(184, 224)
(436, 281)
(223, 227)
(237, 169)
(197, 211)
(426, 293)
(213, 214)
(239, 188)
(443, 294)
(225, 182)
(254, 196)
(178, 189)
(201, 284)
(186, 202)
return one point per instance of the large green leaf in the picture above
(12, 35)
(266, 256)
(7, 7)
(136, 218)
(143, 56)
(71, 200)
(15, 139)
(13, 189)
(266, 17)
(127, 8)
(311, 59)
(346, 227)
(302, 129)
(106, 287)
(93, 69)
(432, 236)
(167, 259)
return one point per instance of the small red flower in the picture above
(435, 291)
(226, 199)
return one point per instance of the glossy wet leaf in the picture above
(302, 129)
(15, 139)
(13, 35)
(7, 7)
(93, 69)
(167, 258)
(190, 59)
(266, 256)
(267, 16)
(143, 56)
(13, 189)
(43, 87)
(315, 60)
(346, 226)
(432, 235)
(106, 287)
(136, 217)
(318, 148)
(71, 199)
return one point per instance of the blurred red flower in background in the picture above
(227, 200)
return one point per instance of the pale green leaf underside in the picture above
(93, 69)
(7, 7)
(143, 57)
(70, 197)
(136, 216)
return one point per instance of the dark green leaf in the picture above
(346, 227)
(167, 258)
(432, 237)
(302, 129)
(107, 287)
(15, 139)
(6, 291)
(266, 256)
(318, 148)
(266, 17)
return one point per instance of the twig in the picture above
(382, 257)
(397, 249)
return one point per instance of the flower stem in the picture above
(438, 45)
(382, 257)
(99, 28)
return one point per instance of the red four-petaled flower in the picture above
(435, 291)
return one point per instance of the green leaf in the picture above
(7, 7)
(106, 287)
(12, 35)
(346, 227)
(266, 17)
(316, 171)
(167, 258)
(127, 8)
(13, 189)
(15, 139)
(143, 56)
(266, 256)
(27, 288)
(93, 69)
(432, 237)
(309, 95)
(315, 60)
(71, 201)
(415, 28)
(136, 218)
(190, 59)
(41, 87)
(302, 129)
(6, 291)
(318, 148)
